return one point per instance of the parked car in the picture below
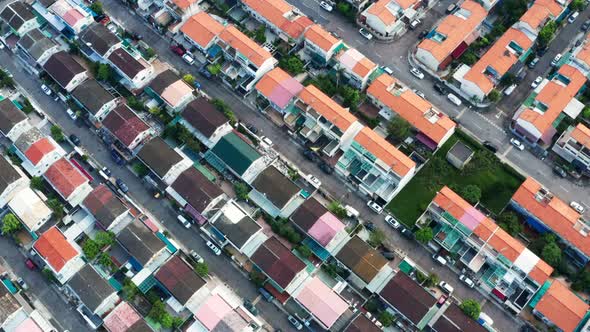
(46, 90)
(267, 296)
(454, 99)
(559, 171)
(388, 70)
(573, 17)
(22, 283)
(392, 222)
(451, 7)
(122, 186)
(577, 206)
(446, 287)
(30, 264)
(416, 72)
(71, 114)
(585, 26)
(251, 307)
(439, 259)
(440, 88)
(178, 49)
(205, 72)
(555, 60)
(188, 59)
(423, 34)
(508, 91)
(314, 181)
(365, 33)
(265, 142)
(295, 322)
(488, 145)
(420, 94)
(406, 233)
(369, 226)
(536, 82)
(326, 168)
(252, 129)
(465, 279)
(117, 158)
(311, 155)
(196, 257)
(517, 144)
(326, 6)
(106, 171)
(182, 220)
(75, 140)
(414, 24)
(533, 62)
(214, 248)
(375, 207)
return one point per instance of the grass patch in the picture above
(497, 181)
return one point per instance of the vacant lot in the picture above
(497, 181)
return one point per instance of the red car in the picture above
(30, 265)
(178, 49)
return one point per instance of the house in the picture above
(37, 151)
(25, 319)
(434, 127)
(12, 181)
(321, 45)
(124, 319)
(545, 212)
(111, 213)
(356, 67)
(286, 272)
(580, 57)
(280, 17)
(504, 266)
(536, 121)
(247, 61)
(234, 154)
(383, 171)
(181, 10)
(13, 122)
(135, 72)
(326, 234)
(71, 15)
(171, 90)
(195, 194)
(358, 5)
(30, 209)
(94, 294)
(167, 163)
(205, 121)
(369, 268)
(19, 18)
(147, 251)
(201, 30)
(68, 181)
(323, 117)
(324, 304)
(180, 280)
(127, 127)
(37, 47)
(95, 99)
(362, 323)
(100, 40)
(62, 257)
(65, 70)
(275, 193)
(388, 18)
(451, 37)
(560, 308)
(278, 89)
(233, 225)
(574, 147)
(10, 308)
(460, 154)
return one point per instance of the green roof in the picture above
(235, 152)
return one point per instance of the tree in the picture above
(471, 308)
(337, 209)
(424, 235)
(304, 251)
(577, 5)
(386, 318)
(10, 224)
(97, 8)
(432, 280)
(241, 190)
(6, 80)
(582, 281)
(224, 108)
(105, 260)
(399, 128)
(292, 64)
(104, 72)
(586, 112)
(376, 238)
(469, 58)
(27, 107)
(37, 183)
(214, 69)
(129, 289)
(202, 269)
(104, 239)
(509, 222)
(135, 104)
(494, 96)
(150, 53)
(351, 97)
(190, 79)
(259, 34)
(140, 169)
(157, 311)
(90, 249)
(546, 34)
(57, 134)
(471, 193)
(551, 254)
(155, 110)
(57, 208)
(508, 79)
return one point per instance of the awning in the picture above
(427, 141)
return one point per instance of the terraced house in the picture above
(355, 67)
(389, 17)
(18, 16)
(574, 147)
(278, 91)
(321, 45)
(201, 30)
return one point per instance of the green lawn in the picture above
(497, 181)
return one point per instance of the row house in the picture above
(205, 122)
(12, 181)
(94, 99)
(181, 282)
(100, 41)
(62, 256)
(129, 130)
(36, 49)
(165, 162)
(17, 18)
(321, 45)
(394, 99)
(69, 16)
(13, 122)
(111, 213)
(171, 91)
(574, 147)
(181, 11)
(356, 67)
(65, 70)
(68, 181)
(201, 31)
(37, 151)
(560, 308)
(389, 18)
(30, 209)
(275, 193)
(580, 57)
(124, 318)
(448, 40)
(135, 72)
(503, 266)
(278, 90)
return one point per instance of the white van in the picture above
(351, 212)
(446, 287)
(485, 320)
(183, 221)
(188, 59)
(573, 17)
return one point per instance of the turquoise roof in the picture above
(235, 152)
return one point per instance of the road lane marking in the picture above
(325, 18)
(562, 187)
(378, 55)
(340, 28)
(461, 113)
(477, 126)
(507, 150)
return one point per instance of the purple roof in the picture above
(282, 94)
(325, 228)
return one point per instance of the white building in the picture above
(12, 181)
(13, 122)
(321, 44)
(205, 122)
(136, 72)
(389, 17)
(19, 17)
(167, 163)
(37, 151)
(30, 209)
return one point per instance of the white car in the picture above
(510, 89)
(555, 60)
(387, 70)
(265, 141)
(182, 220)
(112, 28)
(71, 114)
(365, 34)
(46, 89)
(536, 82)
(196, 257)
(517, 144)
(416, 72)
(314, 181)
(420, 94)
(214, 248)
(326, 6)
(467, 281)
(454, 99)
(392, 222)
(446, 287)
(375, 207)
(188, 59)
(577, 206)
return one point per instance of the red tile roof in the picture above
(277, 262)
(38, 150)
(65, 177)
(55, 248)
(125, 124)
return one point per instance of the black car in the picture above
(370, 226)
(75, 140)
(440, 88)
(488, 145)
(423, 34)
(205, 72)
(122, 186)
(407, 233)
(253, 129)
(311, 155)
(559, 171)
(326, 168)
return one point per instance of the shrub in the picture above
(376, 238)
(337, 209)
(37, 183)
(57, 134)
(424, 235)
(241, 190)
(386, 318)
(10, 224)
(509, 222)
(292, 64)
(471, 308)
(399, 128)
(190, 79)
(304, 251)
(202, 269)
(140, 169)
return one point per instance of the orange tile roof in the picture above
(553, 6)
(183, 4)
(456, 29)
(411, 107)
(581, 134)
(541, 272)
(281, 14)
(65, 177)
(356, 62)
(380, 10)
(562, 307)
(384, 151)
(556, 214)
(536, 16)
(271, 80)
(584, 52)
(202, 28)
(499, 58)
(244, 45)
(327, 107)
(55, 248)
(321, 38)
(38, 150)
(449, 201)
(556, 96)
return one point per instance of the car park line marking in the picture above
(507, 150)
(562, 187)
(257, 299)
(340, 28)
(325, 18)
(499, 114)
(477, 126)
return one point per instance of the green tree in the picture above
(202, 269)
(469, 58)
(424, 235)
(104, 239)
(57, 134)
(214, 69)
(257, 278)
(241, 190)
(177, 322)
(190, 79)
(104, 72)
(150, 53)
(508, 79)
(432, 280)
(158, 311)
(224, 108)
(399, 128)
(386, 318)
(582, 281)
(586, 112)
(129, 289)
(337, 209)
(509, 222)
(546, 33)
(27, 107)
(551, 254)
(6, 80)
(97, 7)
(259, 34)
(135, 104)
(351, 97)
(577, 5)
(37, 183)
(471, 193)
(471, 308)
(494, 96)
(105, 260)
(57, 208)
(140, 169)
(292, 64)
(90, 249)
(155, 110)
(376, 238)
(10, 224)
(304, 251)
